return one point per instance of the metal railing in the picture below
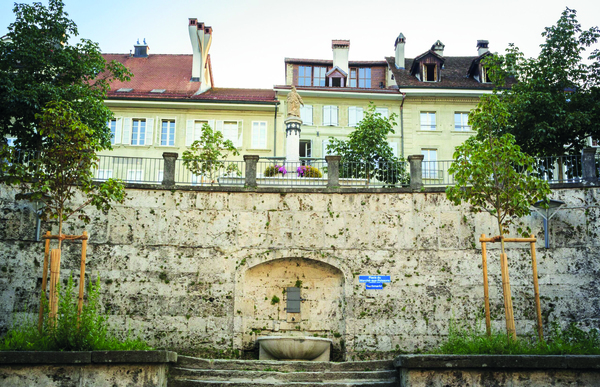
(435, 173)
(374, 174)
(210, 173)
(306, 172)
(130, 169)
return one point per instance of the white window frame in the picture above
(355, 115)
(135, 179)
(430, 164)
(330, 115)
(112, 125)
(104, 174)
(303, 141)
(306, 114)
(259, 135)
(145, 138)
(426, 121)
(237, 141)
(464, 122)
(385, 113)
(159, 141)
(394, 146)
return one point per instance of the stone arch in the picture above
(323, 290)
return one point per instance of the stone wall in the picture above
(194, 270)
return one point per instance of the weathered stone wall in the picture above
(192, 270)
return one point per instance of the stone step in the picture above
(247, 383)
(290, 366)
(289, 376)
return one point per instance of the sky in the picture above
(251, 38)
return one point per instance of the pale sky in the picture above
(251, 38)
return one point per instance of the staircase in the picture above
(194, 372)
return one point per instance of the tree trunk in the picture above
(508, 307)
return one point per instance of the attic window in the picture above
(430, 72)
(159, 91)
(124, 90)
(484, 75)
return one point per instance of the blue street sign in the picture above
(364, 279)
(373, 286)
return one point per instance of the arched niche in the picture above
(261, 300)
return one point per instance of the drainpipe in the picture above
(402, 123)
(275, 131)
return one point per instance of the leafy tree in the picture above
(63, 170)
(39, 65)
(366, 154)
(492, 173)
(554, 106)
(206, 157)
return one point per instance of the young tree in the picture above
(492, 174)
(206, 157)
(366, 154)
(63, 169)
(38, 65)
(553, 105)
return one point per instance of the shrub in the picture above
(465, 340)
(274, 170)
(308, 171)
(90, 334)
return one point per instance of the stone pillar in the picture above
(250, 172)
(292, 139)
(416, 171)
(169, 168)
(588, 161)
(333, 170)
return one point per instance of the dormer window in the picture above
(336, 77)
(304, 75)
(429, 72)
(353, 78)
(484, 75)
(364, 78)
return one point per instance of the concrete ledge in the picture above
(541, 362)
(51, 357)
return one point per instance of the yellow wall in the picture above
(182, 115)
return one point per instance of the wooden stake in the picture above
(54, 278)
(536, 291)
(486, 295)
(82, 275)
(508, 308)
(44, 282)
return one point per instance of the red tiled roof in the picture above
(173, 73)
(158, 71)
(227, 94)
(330, 62)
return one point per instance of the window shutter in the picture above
(293, 300)
(174, 132)
(255, 135)
(382, 111)
(394, 146)
(127, 131)
(149, 131)
(334, 115)
(309, 112)
(351, 115)
(325, 143)
(326, 115)
(211, 123)
(189, 132)
(118, 130)
(158, 130)
(240, 134)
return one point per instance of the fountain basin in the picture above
(302, 348)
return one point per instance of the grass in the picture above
(92, 334)
(466, 340)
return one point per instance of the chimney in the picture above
(140, 50)
(438, 48)
(399, 46)
(482, 47)
(340, 54)
(201, 38)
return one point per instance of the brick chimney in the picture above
(201, 38)
(340, 54)
(438, 48)
(399, 46)
(482, 47)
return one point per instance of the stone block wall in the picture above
(196, 270)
